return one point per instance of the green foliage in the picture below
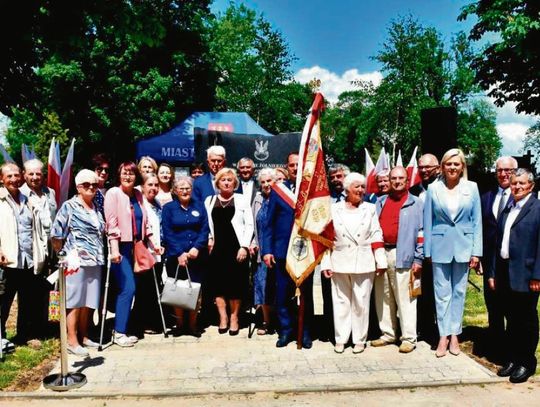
(509, 65)
(532, 142)
(254, 65)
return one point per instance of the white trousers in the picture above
(350, 299)
(392, 300)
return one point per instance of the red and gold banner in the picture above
(313, 230)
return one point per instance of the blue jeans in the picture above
(123, 273)
(450, 286)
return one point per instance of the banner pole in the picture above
(301, 309)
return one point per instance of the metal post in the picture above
(65, 380)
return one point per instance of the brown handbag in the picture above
(143, 259)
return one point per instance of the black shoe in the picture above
(282, 341)
(222, 330)
(234, 333)
(520, 375)
(506, 370)
(307, 343)
(195, 333)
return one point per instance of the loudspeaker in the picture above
(438, 130)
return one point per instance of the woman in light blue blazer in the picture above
(453, 242)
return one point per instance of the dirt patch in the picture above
(30, 380)
(467, 347)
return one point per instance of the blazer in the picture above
(357, 249)
(254, 190)
(202, 188)
(524, 247)
(447, 239)
(489, 227)
(242, 220)
(279, 224)
(118, 215)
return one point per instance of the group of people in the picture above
(226, 228)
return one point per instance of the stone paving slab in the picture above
(222, 364)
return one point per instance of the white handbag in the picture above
(180, 293)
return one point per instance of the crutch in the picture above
(104, 307)
(158, 296)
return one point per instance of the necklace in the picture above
(225, 202)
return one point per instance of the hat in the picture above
(85, 176)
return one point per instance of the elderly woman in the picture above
(357, 256)
(127, 222)
(145, 313)
(185, 237)
(146, 165)
(281, 174)
(166, 181)
(231, 229)
(263, 282)
(78, 229)
(453, 242)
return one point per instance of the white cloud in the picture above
(333, 84)
(512, 134)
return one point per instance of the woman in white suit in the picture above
(231, 229)
(358, 254)
(453, 242)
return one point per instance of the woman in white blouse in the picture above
(358, 254)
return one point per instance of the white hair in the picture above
(352, 177)
(216, 150)
(268, 172)
(505, 158)
(33, 163)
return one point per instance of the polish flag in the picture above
(65, 178)
(399, 160)
(412, 170)
(54, 170)
(383, 164)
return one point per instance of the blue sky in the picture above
(334, 40)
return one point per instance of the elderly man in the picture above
(383, 185)
(279, 223)
(401, 218)
(18, 254)
(493, 203)
(247, 187)
(514, 273)
(336, 174)
(429, 169)
(204, 185)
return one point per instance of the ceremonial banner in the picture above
(313, 230)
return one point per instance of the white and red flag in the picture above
(54, 170)
(313, 231)
(66, 177)
(383, 164)
(412, 170)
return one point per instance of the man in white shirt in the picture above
(514, 274)
(493, 202)
(246, 169)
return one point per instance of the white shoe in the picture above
(358, 348)
(122, 340)
(7, 346)
(89, 343)
(77, 350)
(133, 338)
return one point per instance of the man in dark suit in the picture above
(204, 185)
(280, 219)
(493, 203)
(247, 186)
(429, 170)
(514, 273)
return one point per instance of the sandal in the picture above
(263, 330)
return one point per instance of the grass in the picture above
(24, 359)
(475, 308)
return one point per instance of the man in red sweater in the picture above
(400, 217)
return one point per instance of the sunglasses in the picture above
(102, 169)
(87, 185)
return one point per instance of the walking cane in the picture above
(158, 296)
(104, 306)
(64, 380)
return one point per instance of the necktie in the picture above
(501, 204)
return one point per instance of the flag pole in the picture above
(301, 312)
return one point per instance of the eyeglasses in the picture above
(427, 167)
(87, 185)
(127, 175)
(509, 170)
(102, 169)
(184, 189)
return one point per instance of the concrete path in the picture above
(221, 364)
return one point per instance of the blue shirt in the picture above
(24, 228)
(183, 228)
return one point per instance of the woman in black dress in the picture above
(231, 230)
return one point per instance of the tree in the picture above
(254, 64)
(111, 71)
(509, 66)
(532, 142)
